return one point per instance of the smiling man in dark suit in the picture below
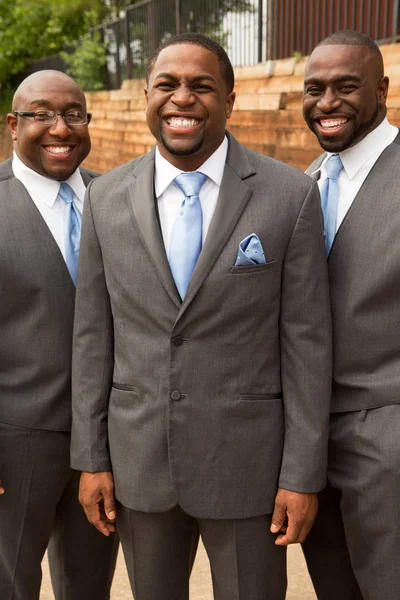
(345, 92)
(202, 345)
(41, 195)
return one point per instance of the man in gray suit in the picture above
(201, 382)
(345, 95)
(49, 126)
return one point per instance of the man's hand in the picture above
(96, 494)
(294, 514)
(1, 488)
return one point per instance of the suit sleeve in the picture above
(306, 352)
(93, 352)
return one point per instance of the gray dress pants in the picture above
(160, 549)
(40, 504)
(353, 549)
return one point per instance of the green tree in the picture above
(87, 62)
(32, 29)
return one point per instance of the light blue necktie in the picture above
(329, 199)
(72, 229)
(186, 239)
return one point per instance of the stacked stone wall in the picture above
(267, 115)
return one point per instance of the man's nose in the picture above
(60, 127)
(329, 101)
(183, 96)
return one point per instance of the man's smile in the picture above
(58, 150)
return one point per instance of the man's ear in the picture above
(230, 101)
(12, 125)
(383, 88)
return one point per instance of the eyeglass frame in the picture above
(24, 113)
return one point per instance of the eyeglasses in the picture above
(49, 117)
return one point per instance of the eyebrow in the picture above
(203, 77)
(340, 79)
(43, 102)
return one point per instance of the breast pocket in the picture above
(246, 269)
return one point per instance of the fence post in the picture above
(260, 31)
(128, 46)
(272, 30)
(395, 19)
(178, 16)
(118, 78)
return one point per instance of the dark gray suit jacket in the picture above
(36, 314)
(364, 273)
(214, 401)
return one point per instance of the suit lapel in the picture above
(233, 196)
(367, 195)
(48, 247)
(140, 196)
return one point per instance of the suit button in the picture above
(177, 340)
(176, 395)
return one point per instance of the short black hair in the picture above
(348, 37)
(199, 40)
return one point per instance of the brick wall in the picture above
(267, 115)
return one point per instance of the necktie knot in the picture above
(190, 183)
(66, 193)
(333, 166)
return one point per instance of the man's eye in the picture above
(348, 87)
(75, 116)
(165, 85)
(44, 115)
(313, 91)
(202, 87)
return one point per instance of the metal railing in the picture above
(251, 31)
(239, 25)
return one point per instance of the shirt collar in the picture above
(213, 167)
(369, 147)
(42, 188)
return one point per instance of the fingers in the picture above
(300, 510)
(96, 494)
(109, 503)
(292, 534)
(278, 516)
(1, 488)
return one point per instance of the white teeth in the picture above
(333, 123)
(58, 149)
(178, 122)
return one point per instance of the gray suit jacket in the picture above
(364, 272)
(213, 401)
(36, 314)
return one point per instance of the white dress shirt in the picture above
(357, 163)
(170, 197)
(44, 193)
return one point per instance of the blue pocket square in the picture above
(250, 252)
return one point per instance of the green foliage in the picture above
(86, 63)
(6, 96)
(32, 29)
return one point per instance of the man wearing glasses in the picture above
(41, 198)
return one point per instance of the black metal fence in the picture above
(251, 31)
(239, 25)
